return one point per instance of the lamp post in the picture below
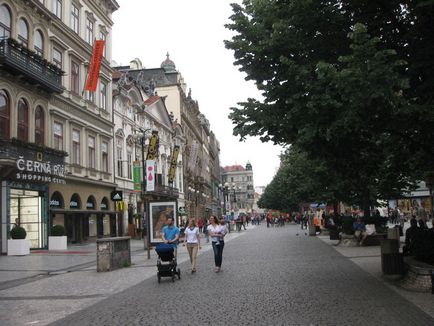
(142, 137)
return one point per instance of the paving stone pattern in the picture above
(270, 277)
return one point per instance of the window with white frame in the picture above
(75, 77)
(103, 36)
(58, 135)
(129, 165)
(39, 43)
(75, 18)
(58, 8)
(76, 146)
(103, 95)
(119, 165)
(89, 31)
(104, 157)
(91, 152)
(57, 58)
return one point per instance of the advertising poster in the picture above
(159, 212)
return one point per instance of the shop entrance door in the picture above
(26, 211)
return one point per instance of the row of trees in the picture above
(347, 87)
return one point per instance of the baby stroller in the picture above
(166, 263)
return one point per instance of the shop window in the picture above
(76, 146)
(58, 136)
(5, 22)
(91, 203)
(56, 200)
(23, 32)
(39, 126)
(104, 204)
(39, 43)
(23, 120)
(75, 202)
(4, 114)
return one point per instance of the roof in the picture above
(152, 100)
(234, 168)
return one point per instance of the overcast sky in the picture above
(192, 31)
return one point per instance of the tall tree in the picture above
(345, 105)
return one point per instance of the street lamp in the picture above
(141, 138)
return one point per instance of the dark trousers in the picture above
(217, 247)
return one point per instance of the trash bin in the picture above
(392, 261)
(334, 234)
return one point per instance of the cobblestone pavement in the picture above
(270, 277)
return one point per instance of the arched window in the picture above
(4, 114)
(75, 202)
(39, 43)
(23, 32)
(23, 120)
(39, 126)
(5, 22)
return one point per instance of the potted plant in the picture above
(18, 245)
(57, 239)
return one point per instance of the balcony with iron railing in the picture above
(19, 60)
(164, 191)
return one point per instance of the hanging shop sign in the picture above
(173, 163)
(150, 175)
(116, 195)
(153, 146)
(137, 176)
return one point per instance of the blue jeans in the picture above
(217, 247)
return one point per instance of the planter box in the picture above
(57, 243)
(18, 247)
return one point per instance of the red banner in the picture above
(95, 64)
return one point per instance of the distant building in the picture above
(240, 182)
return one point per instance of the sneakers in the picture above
(217, 269)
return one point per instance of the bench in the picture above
(374, 239)
(371, 240)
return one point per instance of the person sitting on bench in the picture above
(360, 231)
(412, 236)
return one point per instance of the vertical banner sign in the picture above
(153, 146)
(150, 175)
(137, 176)
(193, 155)
(173, 163)
(95, 64)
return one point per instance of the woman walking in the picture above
(217, 233)
(192, 239)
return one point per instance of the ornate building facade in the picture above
(46, 118)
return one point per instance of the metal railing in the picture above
(19, 60)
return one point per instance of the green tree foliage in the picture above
(343, 100)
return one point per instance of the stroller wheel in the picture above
(179, 274)
(159, 277)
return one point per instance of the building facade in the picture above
(61, 136)
(139, 112)
(200, 150)
(239, 179)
